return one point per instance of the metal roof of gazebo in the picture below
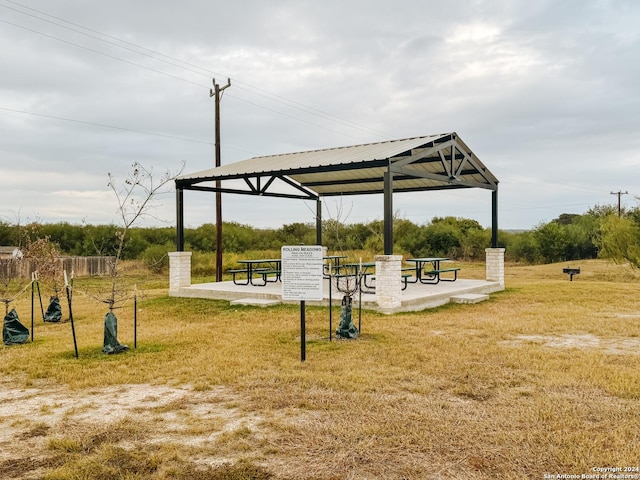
(433, 162)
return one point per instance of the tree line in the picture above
(602, 229)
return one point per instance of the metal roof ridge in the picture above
(436, 135)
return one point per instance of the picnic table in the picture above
(361, 270)
(332, 263)
(367, 275)
(263, 269)
(428, 270)
(260, 271)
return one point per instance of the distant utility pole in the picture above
(215, 92)
(619, 194)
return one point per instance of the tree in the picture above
(567, 218)
(523, 247)
(551, 239)
(619, 240)
(441, 239)
(602, 211)
(474, 243)
(44, 254)
(135, 201)
(297, 233)
(8, 234)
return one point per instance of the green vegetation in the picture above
(541, 379)
(598, 232)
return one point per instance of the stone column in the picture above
(179, 271)
(495, 265)
(388, 282)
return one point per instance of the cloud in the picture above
(545, 93)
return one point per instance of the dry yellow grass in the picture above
(541, 379)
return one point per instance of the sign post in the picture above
(302, 279)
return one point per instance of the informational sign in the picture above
(302, 272)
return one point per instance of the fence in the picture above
(80, 266)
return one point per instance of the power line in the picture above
(102, 125)
(205, 72)
(292, 117)
(171, 76)
(124, 129)
(102, 39)
(68, 42)
(126, 42)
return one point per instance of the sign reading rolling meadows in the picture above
(302, 272)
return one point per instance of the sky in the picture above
(545, 93)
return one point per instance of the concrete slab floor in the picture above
(414, 298)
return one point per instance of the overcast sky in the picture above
(546, 94)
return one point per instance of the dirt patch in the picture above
(618, 345)
(36, 420)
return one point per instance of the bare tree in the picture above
(44, 255)
(10, 281)
(135, 201)
(334, 225)
(135, 197)
(9, 278)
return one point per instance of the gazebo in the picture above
(433, 162)
(426, 163)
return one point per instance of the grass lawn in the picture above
(544, 378)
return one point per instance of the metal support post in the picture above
(494, 218)
(179, 219)
(318, 222)
(388, 212)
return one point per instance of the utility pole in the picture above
(619, 194)
(215, 92)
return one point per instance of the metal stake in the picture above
(303, 340)
(135, 318)
(39, 295)
(73, 328)
(33, 294)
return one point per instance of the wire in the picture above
(166, 74)
(545, 183)
(98, 52)
(99, 33)
(113, 127)
(103, 125)
(7, 301)
(308, 109)
(248, 88)
(291, 116)
(102, 39)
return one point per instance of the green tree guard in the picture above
(346, 329)
(13, 332)
(111, 344)
(54, 311)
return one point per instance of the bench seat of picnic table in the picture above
(444, 270)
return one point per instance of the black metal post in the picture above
(33, 295)
(135, 320)
(318, 221)
(330, 310)
(40, 297)
(360, 309)
(388, 212)
(179, 219)
(303, 340)
(494, 218)
(73, 328)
